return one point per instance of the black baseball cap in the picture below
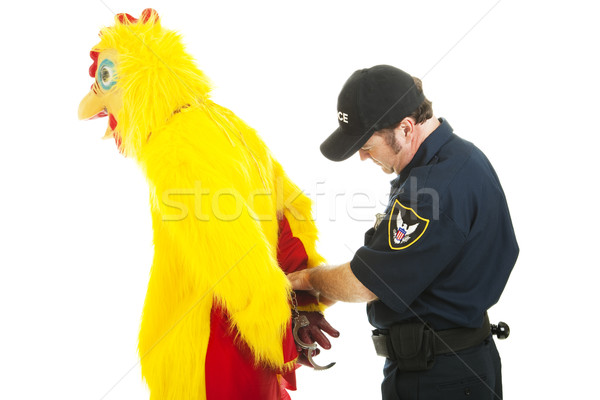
(371, 99)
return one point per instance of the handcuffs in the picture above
(301, 321)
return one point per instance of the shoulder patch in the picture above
(405, 227)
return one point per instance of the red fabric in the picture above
(290, 250)
(230, 370)
(292, 257)
(304, 298)
(290, 353)
(288, 381)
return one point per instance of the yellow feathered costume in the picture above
(217, 197)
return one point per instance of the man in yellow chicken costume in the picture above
(228, 224)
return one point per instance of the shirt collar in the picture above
(427, 150)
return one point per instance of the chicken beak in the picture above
(91, 106)
(109, 134)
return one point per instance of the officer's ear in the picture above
(406, 127)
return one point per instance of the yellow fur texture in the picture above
(216, 193)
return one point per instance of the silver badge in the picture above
(378, 218)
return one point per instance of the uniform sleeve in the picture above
(408, 250)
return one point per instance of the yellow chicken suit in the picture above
(217, 198)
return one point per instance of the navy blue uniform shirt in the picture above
(446, 246)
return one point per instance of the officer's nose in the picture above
(364, 155)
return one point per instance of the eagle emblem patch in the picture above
(405, 227)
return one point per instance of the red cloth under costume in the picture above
(231, 373)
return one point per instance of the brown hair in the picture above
(425, 110)
(389, 137)
(420, 115)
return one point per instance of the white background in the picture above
(75, 235)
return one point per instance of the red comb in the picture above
(148, 14)
(94, 66)
(126, 18)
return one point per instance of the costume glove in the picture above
(314, 333)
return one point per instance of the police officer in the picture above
(437, 258)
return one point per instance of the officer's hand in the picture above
(300, 280)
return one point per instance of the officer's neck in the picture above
(419, 134)
(426, 128)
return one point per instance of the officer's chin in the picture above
(387, 170)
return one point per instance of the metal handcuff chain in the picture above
(301, 321)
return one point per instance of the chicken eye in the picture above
(106, 76)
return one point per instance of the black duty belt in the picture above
(413, 345)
